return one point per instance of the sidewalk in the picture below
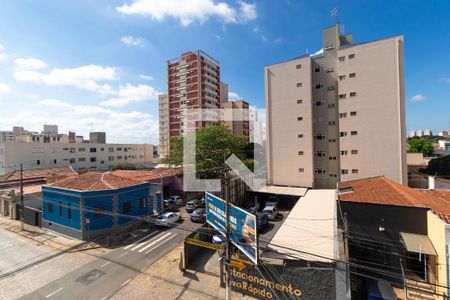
(39, 235)
(164, 280)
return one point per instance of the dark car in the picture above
(199, 215)
(263, 220)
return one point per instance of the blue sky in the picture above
(79, 64)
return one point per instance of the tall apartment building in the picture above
(81, 157)
(193, 83)
(97, 137)
(235, 115)
(338, 115)
(163, 148)
(6, 136)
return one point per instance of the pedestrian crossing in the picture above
(150, 242)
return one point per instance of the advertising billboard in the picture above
(242, 224)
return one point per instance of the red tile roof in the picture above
(148, 175)
(95, 181)
(39, 173)
(380, 190)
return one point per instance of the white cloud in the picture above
(146, 77)
(255, 29)
(4, 89)
(232, 96)
(133, 41)
(418, 98)
(132, 93)
(2, 47)
(2, 54)
(31, 63)
(186, 12)
(120, 127)
(84, 77)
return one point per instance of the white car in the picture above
(173, 200)
(167, 219)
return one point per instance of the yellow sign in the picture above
(204, 244)
(238, 264)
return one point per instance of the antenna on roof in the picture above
(306, 51)
(333, 14)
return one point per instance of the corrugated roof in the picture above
(284, 190)
(148, 175)
(380, 190)
(95, 181)
(309, 231)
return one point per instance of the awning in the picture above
(284, 190)
(417, 243)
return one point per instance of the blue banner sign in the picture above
(242, 225)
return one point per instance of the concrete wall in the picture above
(50, 155)
(283, 108)
(380, 107)
(437, 235)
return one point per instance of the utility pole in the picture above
(228, 248)
(22, 209)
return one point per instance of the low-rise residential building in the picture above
(397, 234)
(6, 136)
(82, 157)
(94, 204)
(444, 145)
(443, 133)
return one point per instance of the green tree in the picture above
(418, 145)
(214, 144)
(124, 167)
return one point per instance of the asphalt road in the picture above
(104, 276)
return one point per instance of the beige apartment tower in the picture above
(163, 148)
(337, 115)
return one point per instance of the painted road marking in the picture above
(160, 244)
(147, 241)
(105, 264)
(125, 282)
(51, 294)
(123, 254)
(133, 244)
(154, 242)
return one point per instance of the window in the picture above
(343, 96)
(341, 58)
(50, 207)
(69, 210)
(353, 113)
(353, 94)
(299, 101)
(354, 151)
(65, 149)
(119, 157)
(55, 161)
(81, 149)
(352, 75)
(300, 153)
(126, 207)
(119, 149)
(299, 84)
(81, 159)
(341, 77)
(354, 132)
(301, 170)
(318, 85)
(300, 135)
(38, 162)
(317, 69)
(72, 160)
(343, 115)
(333, 175)
(102, 162)
(319, 153)
(332, 140)
(102, 149)
(93, 159)
(331, 105)
(320, 171)
(355, 171)
(331, 88)
(99, 211)
(331, 123)
(319, 103)
(92, 150)
(344, 171)
(344, 152)
(332, 158)
(110, 158)
(298, 66)
(299, 118)
(110, 149)
(343, 133)
(351, 56)
(72, 150)
(60, 209)
(143, 202)
(319, 136)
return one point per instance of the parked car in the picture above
(167, 219)
(262, 220)
(271, 212)
(193, 205)
(199, 215)
(173, 200)
(272, 201)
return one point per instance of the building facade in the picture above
(337, 115)
(97, 137)
(235, 115)
(6, 136)
(81, 157)
(163, 148)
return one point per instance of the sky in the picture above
(91, 65)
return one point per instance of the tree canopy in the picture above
(439, 166)
(419, 145)
(214, 144)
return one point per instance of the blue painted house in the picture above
(94, 204)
